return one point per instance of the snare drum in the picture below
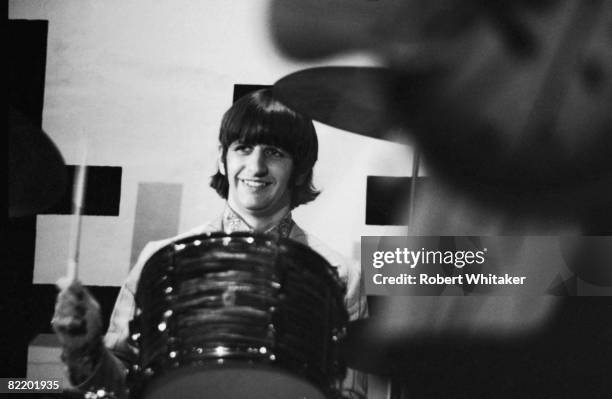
(238, 316)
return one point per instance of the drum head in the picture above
(231, 381)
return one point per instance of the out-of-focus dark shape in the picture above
(37, 176)
(509, 100)
(312, 29)
(308, 29)
(567, 357)
(349, 98)
(589, 258)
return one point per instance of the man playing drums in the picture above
(265, 167)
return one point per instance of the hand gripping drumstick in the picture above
(78, 193)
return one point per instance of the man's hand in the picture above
(77, 320)
(78, 325)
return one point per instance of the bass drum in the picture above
(238, 315)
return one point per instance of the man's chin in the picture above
(260, 207)
(258, 211)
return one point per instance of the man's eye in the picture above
(275, 153)
(243, 148)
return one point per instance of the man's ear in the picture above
(301, 179)
(220, 163)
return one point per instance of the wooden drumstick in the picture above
(78, 193)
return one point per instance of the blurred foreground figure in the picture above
(589, 260)
(509, 100)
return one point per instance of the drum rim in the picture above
(279, 241)
(145, 385)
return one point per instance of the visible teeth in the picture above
(252, 183)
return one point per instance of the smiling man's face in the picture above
(258, 177)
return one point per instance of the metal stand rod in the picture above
(415, 173)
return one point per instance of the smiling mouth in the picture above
(255, 183)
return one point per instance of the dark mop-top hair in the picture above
(258, 118)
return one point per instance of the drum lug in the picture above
(99, 394)
(338, 334)
(134, 325)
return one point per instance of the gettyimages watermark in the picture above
(495, 266)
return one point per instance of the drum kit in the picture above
(238, 315)
(508, 102)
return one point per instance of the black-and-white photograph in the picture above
(308, 199)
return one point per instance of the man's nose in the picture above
(257, 162)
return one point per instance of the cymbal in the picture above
(37, 175)
(349, 98)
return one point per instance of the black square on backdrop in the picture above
(386, 197)
(102, 192)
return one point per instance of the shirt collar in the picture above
(232, 222)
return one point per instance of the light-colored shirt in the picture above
(111, 371)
